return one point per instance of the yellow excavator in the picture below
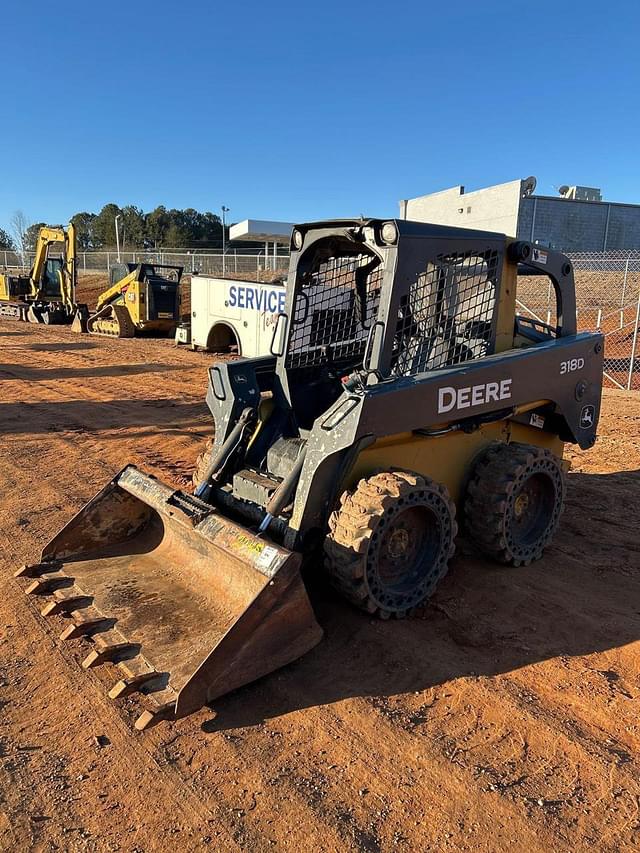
(47, 293)
(142, 298)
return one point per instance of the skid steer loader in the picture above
(142, 298)
(403, 393)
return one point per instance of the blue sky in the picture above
(298, 110)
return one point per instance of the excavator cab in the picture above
(51, 281)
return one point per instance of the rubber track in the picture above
(118, 316)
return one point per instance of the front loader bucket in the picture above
(188, 604)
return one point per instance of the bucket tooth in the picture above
(136, 673)
(65, 600)
(161, 705)
(107, 646)
(48, 582)
(188, 604)
(136, 666)
(34, 570)
(129, 684)
(84, 622)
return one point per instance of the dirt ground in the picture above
(504, 718)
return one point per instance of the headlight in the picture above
(297, 239)
(389, 232)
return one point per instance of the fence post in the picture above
(624, 288)
(624, 281)
(634, 344)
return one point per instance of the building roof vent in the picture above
(577, 193)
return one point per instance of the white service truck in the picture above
(228, 315)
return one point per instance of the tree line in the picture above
(162, 227)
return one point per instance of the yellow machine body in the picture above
(48, 292)
(143, 298)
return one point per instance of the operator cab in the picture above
(51, 277)
(444, 315)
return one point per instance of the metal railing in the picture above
(607, 292)
(234, 261)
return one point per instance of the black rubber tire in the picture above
(359, 545)
(202, 463)
(503, 476)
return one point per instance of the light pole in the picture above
(224, 239)
(118, 236)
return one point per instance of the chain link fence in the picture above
(607, 292)
(233, 262)
(607, 300)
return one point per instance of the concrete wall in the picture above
(565, 224)
(491, 209)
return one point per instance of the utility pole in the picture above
(225, 210)
(117, 236)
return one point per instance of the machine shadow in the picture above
(62, 347)
(21, 372)
(32, 418)
(583, 597)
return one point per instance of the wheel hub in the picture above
(533, 509)
(521, 505)
(407, 547)
(398, 543)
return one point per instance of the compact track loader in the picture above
(143, 298)
(47, 294)
(404, 396)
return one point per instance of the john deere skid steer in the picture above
(403, 397)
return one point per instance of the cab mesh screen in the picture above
(334, 309)
(448, 316)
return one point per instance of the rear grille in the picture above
(449, 315)
(163, 302)
(335, 306)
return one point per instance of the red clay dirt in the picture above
(505, 717)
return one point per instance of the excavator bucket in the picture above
(80, 318)
(188, 604)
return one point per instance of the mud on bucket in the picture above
(189, 604)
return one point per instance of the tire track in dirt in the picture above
(87, 712)
(167, 439)
(499, 721)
